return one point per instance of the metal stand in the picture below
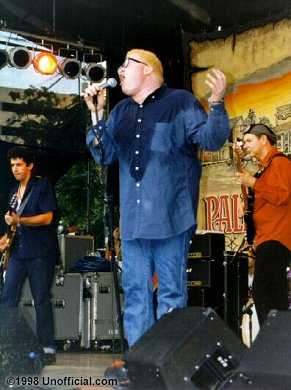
(235, 260)
(1, 276)
(109, 211)
(248, 310)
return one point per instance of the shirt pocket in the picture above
(162, 140)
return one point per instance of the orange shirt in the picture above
(272, 206)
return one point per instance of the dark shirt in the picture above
(36, 241)
(159, 171)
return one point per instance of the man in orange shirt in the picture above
(272, 218)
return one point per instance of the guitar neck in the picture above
(243, 188)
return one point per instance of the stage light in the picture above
(3, 58)
(20, 57)
(45, 63)
(94, 72)
(70, 68)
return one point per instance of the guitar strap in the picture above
(263, 169)
(23, 204)
(5, 259)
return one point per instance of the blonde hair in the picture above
(151, 59)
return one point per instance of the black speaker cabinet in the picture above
(205, 271)
(209, 245)
(188, 348)
(266, 365)
(235, 288)
(17, 342)
(206, 280)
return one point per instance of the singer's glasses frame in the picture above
(126, 62)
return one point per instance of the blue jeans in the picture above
(140, 259)
(40, 273)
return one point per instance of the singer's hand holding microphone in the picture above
(98, 91)
(94, 98)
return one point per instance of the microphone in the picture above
(110, 83)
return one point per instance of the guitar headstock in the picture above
(238, 149)
(13, 203)
(239, 145)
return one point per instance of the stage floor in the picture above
(75, 370)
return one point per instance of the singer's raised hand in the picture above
(217, 83)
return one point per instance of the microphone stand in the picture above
(237, 257)
(248, 310)
(1, 275)
(108, 202)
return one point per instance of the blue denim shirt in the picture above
(159, 171)
(36, 241)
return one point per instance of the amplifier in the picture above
(199, 273)
(72, 248)
(205, 271)
(207, 245)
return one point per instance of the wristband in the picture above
(214, 101)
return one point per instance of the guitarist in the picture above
(272, 218)
(34, 250)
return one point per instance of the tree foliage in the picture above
(73, 194)
(48, 120)
(44, 118)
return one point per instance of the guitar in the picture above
(248, 198)
(10, 235)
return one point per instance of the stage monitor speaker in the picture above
(187, 348)
(266, 365)
(19, 348)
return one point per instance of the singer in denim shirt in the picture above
(155, 134)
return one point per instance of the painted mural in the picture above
(257, 63)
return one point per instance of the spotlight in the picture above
(20, 57)
(45, 63)
(95, 72)
(70, 68)
(3, 58)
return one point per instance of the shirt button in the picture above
(141, 106)
(136, 168)
(138, 135)
(139, 120)
(138, 184)
(138, 201)
(136, 152)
